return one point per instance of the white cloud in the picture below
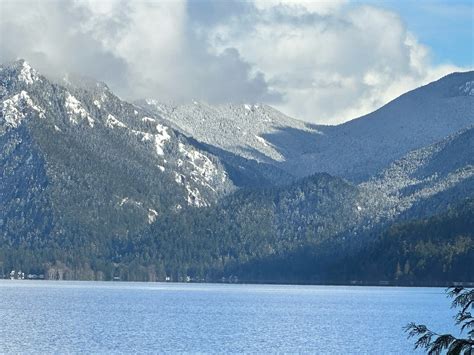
(322, 61)
(322, 7)
(330, 64)
(150, 39)
(141, 49)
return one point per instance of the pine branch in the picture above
(436, 344)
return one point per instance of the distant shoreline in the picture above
(359, 284)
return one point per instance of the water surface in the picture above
(106, 317)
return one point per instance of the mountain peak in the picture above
(250, 130)
(27, 74)
(23, 71)
(84, 82)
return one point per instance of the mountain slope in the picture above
(426, 180)
(93, 187)
(362, 147)
(438, 250)
(235, 134)
(95, 163)
(203, 242)
(440, 247)
(239, 129)
(355, 150)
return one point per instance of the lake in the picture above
(107, 317)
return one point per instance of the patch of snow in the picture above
(152, 214)
(261, 140)
(75, 110)
(161, 167)
(14, 108)
(180, 179)
(56, 128)
(145, 135)
(201, 164)
(160, 138)
(27, 74)
(148, 119)
(11, 114)
(113, 122)
(194, 197)
(129, 201)
(97, 103)
(203, 172)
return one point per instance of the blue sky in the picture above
(322, 61)
(447, 27)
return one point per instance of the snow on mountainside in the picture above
(240, 129)
(425, 180)
(103, 159)
(362, 147)
(91, 182)
(355, 150)
(97, 156)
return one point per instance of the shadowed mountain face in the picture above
(355, 150)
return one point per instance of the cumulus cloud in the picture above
(321, 61)
(141, 49)
(333, 61)
(301, 7)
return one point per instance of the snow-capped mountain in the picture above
(236, 134)
(93, 159)
(355, 150)
(93, 179)
(239, 129)
(365, 146)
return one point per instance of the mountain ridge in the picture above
(95, 187)
(92, 139)
(355, 149)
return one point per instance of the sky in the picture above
(323, 62)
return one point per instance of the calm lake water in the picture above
(106, 317)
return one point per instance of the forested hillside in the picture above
(93, 187)
(276, 235)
